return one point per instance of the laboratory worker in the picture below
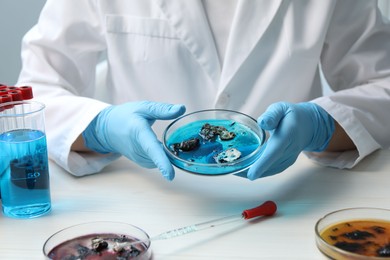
(164, 58)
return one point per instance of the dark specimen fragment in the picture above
(384, 251)
(99, 244)
(83, 251)
(378, 229)
(128, 254)
(358, 235)
(350, 247)
(70, 257)
(185, 146)
(226, 135)
(210, 132)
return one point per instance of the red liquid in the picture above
(83, 248)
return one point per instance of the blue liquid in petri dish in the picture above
(204, 158)
(24, 174)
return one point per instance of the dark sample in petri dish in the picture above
(98, 246)
(99, 240)
(363, 237)
(213, 142)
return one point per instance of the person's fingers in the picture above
(272, 153)
(280, 166)
(270, 119)
(154, 150)
(162, 111)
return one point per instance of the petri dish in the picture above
(98, 240)
(355, 234)
(214, 142)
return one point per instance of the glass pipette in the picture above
(268, 208)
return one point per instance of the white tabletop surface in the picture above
(127, 193)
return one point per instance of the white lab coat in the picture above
(163, 50)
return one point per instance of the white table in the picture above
(127, 193)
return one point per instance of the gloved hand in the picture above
(126, 129)
(293, 128)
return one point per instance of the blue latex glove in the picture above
(293, 128)
(126, 129)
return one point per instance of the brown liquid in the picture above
(363, 237)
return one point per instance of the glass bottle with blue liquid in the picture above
(24, 170)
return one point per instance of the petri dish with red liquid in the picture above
(99, 240)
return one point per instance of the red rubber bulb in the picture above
(268, 208)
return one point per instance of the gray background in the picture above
(18, 16)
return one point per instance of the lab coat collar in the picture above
(190, 22)
(251, 21)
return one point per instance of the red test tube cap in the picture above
(27, 92)
(268, 208)
(1, 101)
(4, 99)
(16, 95)
(3, 91)
(12, 88)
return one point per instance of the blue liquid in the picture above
(24, 174)
(203, 157)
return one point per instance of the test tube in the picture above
(15, 96)
(4, 99)
(27, 171)
(13, 93)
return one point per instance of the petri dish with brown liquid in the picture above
(355, 233)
